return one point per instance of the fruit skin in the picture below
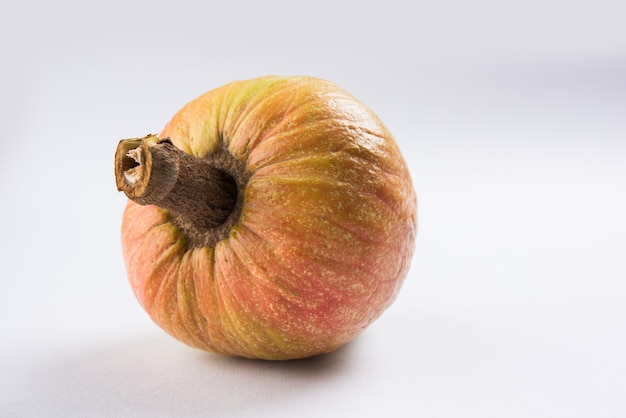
(325, 237)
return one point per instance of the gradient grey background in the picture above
(511, 115)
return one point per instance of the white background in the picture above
(511, 115)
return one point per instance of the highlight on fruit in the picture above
(271, 218)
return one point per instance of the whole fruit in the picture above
(272, 218)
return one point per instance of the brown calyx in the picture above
(204, 196)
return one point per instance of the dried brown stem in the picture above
(198, 195)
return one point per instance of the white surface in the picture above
(512, 119)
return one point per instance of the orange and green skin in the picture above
(325, 237)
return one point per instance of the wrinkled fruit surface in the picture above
(324, 240)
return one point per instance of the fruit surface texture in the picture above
(315, 248)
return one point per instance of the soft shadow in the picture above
(161, 377)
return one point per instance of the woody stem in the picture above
(151, 171)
